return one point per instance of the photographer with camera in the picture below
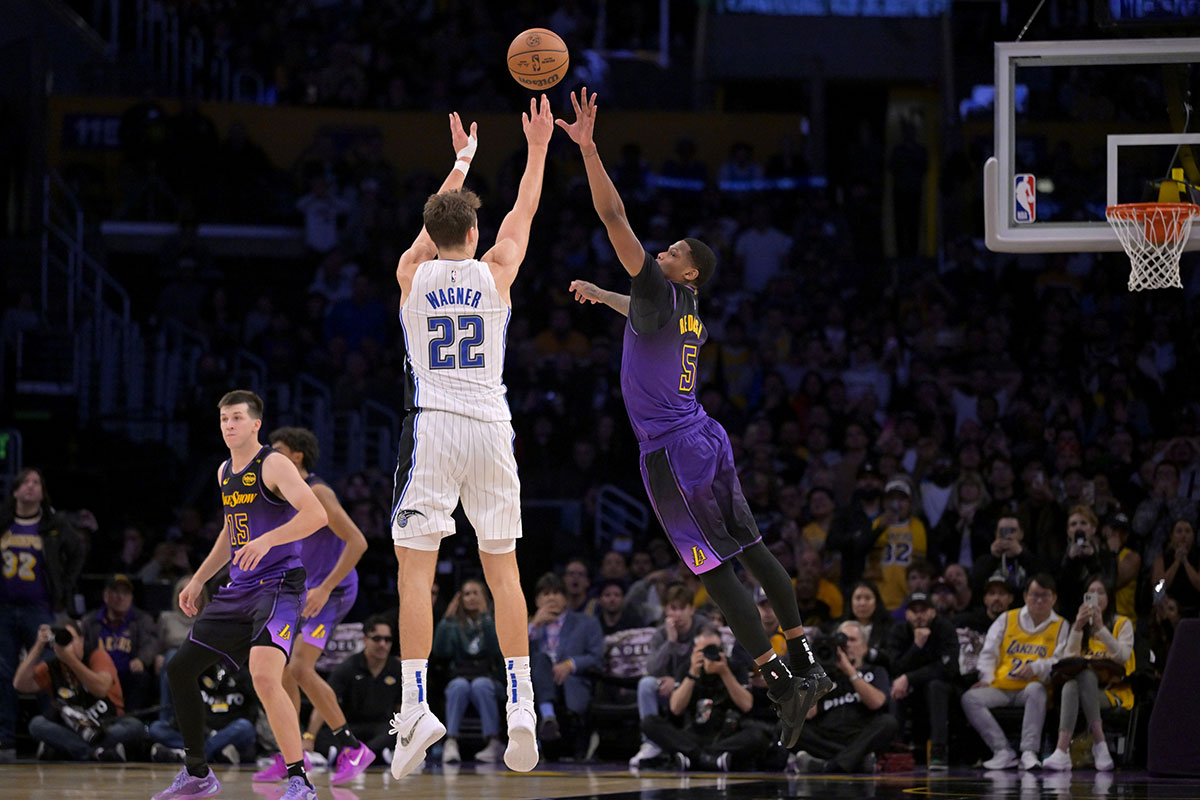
(850, 723)
(1105, 639)
(1006, 555)
(707, 707)
(924, 659)
(88, 710)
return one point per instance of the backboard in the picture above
(1099, 121)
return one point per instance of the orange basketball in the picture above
(538, 59)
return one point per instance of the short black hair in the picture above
(704, 259)
(252, 401)
(376, 620)
(1042, 579)
(549, 583)
(299, 440)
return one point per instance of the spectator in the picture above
(1178, 567)
(761, 250)
(851, 723)
(1021, 648)
(322, 210)
(367, 685)
(1097, 633)
(577, 583)
(942, 595)
(611, 611)
(1154, 519)
(564, 646)
(132, 555)
(232, 709)
(129, 636)
(852, 531)
(924, 658)
(167, 565)
(1085, 556)
(1007, 555)
(997, 599)
(918, 577)
(1115, 535)
(466, 638)
(962, 535)
(900, 539)
(709, 699)
(826, 601)
(45, 555)
(956, 575)
(87, 717)
(770, 622)
(868, 610)
(670, 649)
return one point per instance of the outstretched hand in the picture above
(538, 123)
(458, 137)
(586, 292)
(584, 125)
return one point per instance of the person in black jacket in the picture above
(1007, 555)
(924, 659)
(852, 531)
(367, 685)
(42, 559)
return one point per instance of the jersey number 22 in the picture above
(444, 328)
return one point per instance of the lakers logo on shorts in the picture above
(286, 633)
(698, 556)
(318, 633)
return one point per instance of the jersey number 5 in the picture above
(687, 381)
(444, 328)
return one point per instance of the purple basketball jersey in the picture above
(251, 510)
(660, 356)
(321, 551)
(24, 578)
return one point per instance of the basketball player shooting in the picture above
(456, 441)
(268, 510)
(686, 460)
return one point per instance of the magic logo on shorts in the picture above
(403, 514)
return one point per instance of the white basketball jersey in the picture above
(455, 326)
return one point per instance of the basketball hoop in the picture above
(1153, 234)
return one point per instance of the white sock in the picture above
(413, 687)
(518, 684)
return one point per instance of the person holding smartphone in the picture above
(1098, 632)
(1007, 555)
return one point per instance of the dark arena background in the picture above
(945, 399)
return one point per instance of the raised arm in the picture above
(423, 248)
(512, 239)
(586, 292)
(604, 194)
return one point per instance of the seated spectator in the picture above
(1007, 555)
(669, 650)
(614, 566)
(851, 723)
(167, 565)
(813, 610)
(809, 564)
(232, 708)
(577, 582)
(367, 685)
(1163, 622)
(87, 717)
(1085, 557)
(466, 637)
(129, 636)
(924, 659)
(1154, 519)
(1097, 633)
(960, 581)
(1021, 648)
(972, 627)
(707, 703)
(1178, 566)
(900, 539)
(564, 646)
(1115, 535)
(942, 595)
(867, 609)
(611, 611)
(918, 576)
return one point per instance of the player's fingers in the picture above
(562, 125)
(474, 128)
(575, 103)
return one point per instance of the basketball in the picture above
(538, 59)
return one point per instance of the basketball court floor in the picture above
(472, 782)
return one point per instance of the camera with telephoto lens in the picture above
(712, 652)
(62, 636)
(825, 648)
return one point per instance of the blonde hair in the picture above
(1085, 512)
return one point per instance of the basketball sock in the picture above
(518, 684)
(546, 710)
(801, 657)
(342, 737)
(296, 770)
(412, 671)
(736, 603)
(776, 674)
(196, 767)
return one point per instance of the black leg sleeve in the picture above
(775, 582)
(183, 673)
(737, 605)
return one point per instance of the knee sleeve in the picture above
(497, 547)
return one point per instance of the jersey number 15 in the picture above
(444, 328)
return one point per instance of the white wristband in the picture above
(469, 150)
(462, 166)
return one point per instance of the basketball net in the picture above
(1154, 235)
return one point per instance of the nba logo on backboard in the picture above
(1024, 198)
